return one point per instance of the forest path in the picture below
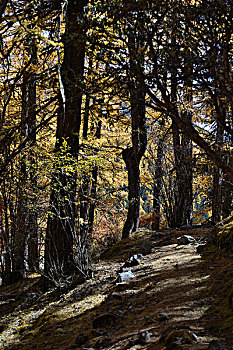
(170, 287)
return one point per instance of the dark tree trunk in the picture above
(93, 200)
(132, 165)
(85, 186)
(184, 175)
(176, 222)
(7, 257)
(18, 266)
(87, 107)
(33, 258)
(26, 228)
(132, 156)
(87, 207)
(186, 142)
(182, 145)
(88, 195)
(217, 195)
(94, 177)
(217, 181)
(157, 187)
(59, 262)
(185, 183)
(227, 199)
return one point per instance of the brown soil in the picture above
(173, 279)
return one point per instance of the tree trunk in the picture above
(186, 180)
(157, 187)
(59, 262)
(85, 184)
(93, 200)
(227, 199)
(182, 145)
(26, 212)
(132, 156)
(217, 195)
(132, 165)
(33, 258)
(93, 192)
(89, 181)
(88, 195)
(183, 181)
(217, 182)
(7, 257)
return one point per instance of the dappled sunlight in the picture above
(75, 309)
(54, 313)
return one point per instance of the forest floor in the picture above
(173, 285)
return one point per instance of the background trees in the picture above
(80, 84)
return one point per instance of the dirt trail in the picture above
(170, 287)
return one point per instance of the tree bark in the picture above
(217, 181)
(85, 184)
(61, 227)
(182, 145)
(217, 195)
(33, 258)
(88, 195)
(93, 192)
(157, 187)
(7, 256)
(227, 199)
(132, 165)
(132, 156)
(26, 228)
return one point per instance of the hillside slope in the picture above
(170, 285)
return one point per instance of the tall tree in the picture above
(217, 181)
(61, 226)
(132, 155)
(157, 185)
(26, 231)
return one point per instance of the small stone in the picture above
(163, 317)
(144, 337)
(215, 345)
(81, 339)
(133, 261)
(179, 337)
(125, 276)
(186, 239)
(169, 329)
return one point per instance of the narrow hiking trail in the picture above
(170, 287)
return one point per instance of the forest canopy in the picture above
(113, 116)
